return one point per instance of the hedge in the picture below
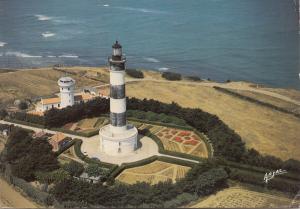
(176, 161)
(162, 150)
(171, 76)
(83, 134)
(249, 99)
(24, 123)
(250, 168)
(209, 146)
(64, 148)
(124, 166)
(146, 161)
(77, 146)
(258, 179)
(189, 128)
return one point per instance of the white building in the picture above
(67, 97)
(118, 138)
(66, 87)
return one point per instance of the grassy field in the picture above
(153, 173)
(237, 197)
(262, 128)
(269, 99)
(87, 125)
(40, 82)
(268, 131)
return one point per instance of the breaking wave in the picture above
(43, 17)
(140, 10)
(106, 5)
(48, 34)
(20, 54)
(2, 44)
(163, 69)
(151, 59)
(68, 56)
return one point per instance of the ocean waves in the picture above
(2, 44)
(151, 59)
(143, 10)
(43, 17)
(20, 54)
(57, 20)
(26, 55)
(48, 34)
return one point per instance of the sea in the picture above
(248, 40)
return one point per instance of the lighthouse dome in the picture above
(66, 81)
(116, 45)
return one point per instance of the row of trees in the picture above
(93, 108)
(226, 142)
(257, 179)
(23, 116)
(201, 180)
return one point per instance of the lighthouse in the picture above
(119, 137)
(66, 86)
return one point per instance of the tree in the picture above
(28, 156)
(23, 105)
(171, 76)
(74, 168)
(194, 78)
(135, 73)
(94, 170)
(3, 113)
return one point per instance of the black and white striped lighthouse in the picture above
(117, 89)
(118, 137)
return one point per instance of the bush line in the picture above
(146, 161)
(249, 99)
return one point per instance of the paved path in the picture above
(90, 146)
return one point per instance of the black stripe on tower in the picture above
(117, 91)
(118, 66)
(118, 119)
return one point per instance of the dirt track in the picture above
(9, 197)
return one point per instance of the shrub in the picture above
(3, 113)
(23, 105)
(258, 179)
(94, 170)
(135, 73)
(36, 120)
(171, 76)
(73, 168)
(194, 78)
(28, 189)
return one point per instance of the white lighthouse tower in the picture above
(66, 86)
(118, 138)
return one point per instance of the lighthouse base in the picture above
(121, 143)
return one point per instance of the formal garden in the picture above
(208, 153)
